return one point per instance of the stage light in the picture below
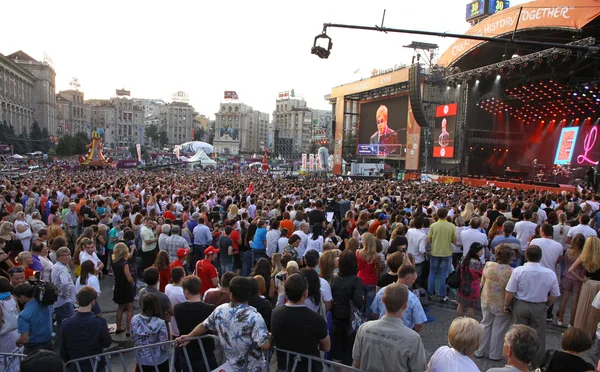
(498, 77)
(477, 81)
(319, 49)
(506, 150)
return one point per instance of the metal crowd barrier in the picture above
(297, 358)
(10, 362)
(102, 362)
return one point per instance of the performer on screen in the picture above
(385, 135)
(444, 138)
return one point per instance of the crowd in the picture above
(249, 258)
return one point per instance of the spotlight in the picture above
(498, 77)
(477, 81)
(318, 49)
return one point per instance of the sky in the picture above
(260, 48)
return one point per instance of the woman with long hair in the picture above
(124, 282)
(25, 260)
(313, 301)
(468, 212)
(276, 264)
(570, 282)
(89, 278)
(23, 230)
(471, 269)
(328, 263)
(263, 268)
(315, 240)
(381, 235)
(590, 260)
(369, 267)
(162, 264)
(352, 246)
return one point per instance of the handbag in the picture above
(453, 280)
(357, 318)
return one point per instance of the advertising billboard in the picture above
(566, 146)
(444, 131)
(382, 127)
(475, 9)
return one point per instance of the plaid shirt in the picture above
(172, 244)
(71, 219)
(61, 278)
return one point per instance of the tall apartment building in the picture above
(179, 122)
(292, 123)
(240, 129)
(322, 135)
(44, 91)
(104, 116)
(17, 106)
(73, 115)
(122, 120)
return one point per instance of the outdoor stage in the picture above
(518, 186)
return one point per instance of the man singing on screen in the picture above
(384, 136)
(444, 137)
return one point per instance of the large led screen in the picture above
(382, 127)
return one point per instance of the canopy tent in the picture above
(17, 156)
(193, 147)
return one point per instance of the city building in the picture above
(16, 95)
(179, 122)
(73, 115)
(44, 91)
(122, 120)
(295, 128)
(240, 129)
(151, 107)
(321, 132)
(103, 116)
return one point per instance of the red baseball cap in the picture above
(181, 252)
(211, 250)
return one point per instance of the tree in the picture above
(63, 148)
(200, 134)
(72, 145)
(163, 138)
(46, 143)
(144, 150)
(23, 145)
(79, 144)
(36, 137)
(152, 133)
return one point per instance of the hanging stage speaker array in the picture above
(416, 98)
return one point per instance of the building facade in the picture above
(321, 131)
(103, 116)
(292, 123)
(129, 122)
(179, 122)
(44, 89)
(240, 129)
(16, 95)
(73, 115)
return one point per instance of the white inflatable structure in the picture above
(199, 159)
(194, 146)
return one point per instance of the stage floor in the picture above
(513, 185)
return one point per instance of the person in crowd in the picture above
(34, 323)
(84, 334)
(149, 328)
(258, 301)
(25, 261)
(16, 276)
(369, 267)
(473, 235)
(9, 312)
(174, 242)
(582, 228)
(162, 264)
(89, 278)
(521, 344)
(175, 293)
(347, 291)
(530, 290)
(569, 283)
(42, 360)
(63, 280)
(417, 242)
(272, 238)
(302, 232)
(495, 321)
(390, 337)
(259, 242)
(292, 247)
(188, 315)
(561, 230)
(590, 261)
(574, 342)
(152, 278)
(226, 250)
(309, 339)
(464, 336)
(149, 244)
(471, 269)
(312, 258)
(441, 235)
(182, 256)
(413, 315)
(123, 292)
(206, 271)
(89, 253)
(221, 295)
(23, 231)
(525, 229)
(237, 318)
(315, 240)
(508, 239)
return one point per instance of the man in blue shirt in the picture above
(259, 242)
(34, 323)
(84, 334)
(414, 316)
(507, 228)
(202, 239)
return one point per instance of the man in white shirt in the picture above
(417, 240)
(534, 288)
(582, 228)
(473, 235)
(525, 229)
(302, 232)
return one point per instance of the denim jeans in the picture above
(246, 257)
(369, 297)
(61, 313)
(438, 266)
(257, 254)
(226, 266)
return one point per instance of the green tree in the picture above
(36, 137)
(63, 148)
(79, 143)
(23, 145)
(144, 150)
(199, 134)
(46, 143)
(163, 138)
(152, 133)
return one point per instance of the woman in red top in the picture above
(368, 269)
(25, 260)
(163, 266)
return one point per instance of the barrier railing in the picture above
(10, 362)
(296, 358)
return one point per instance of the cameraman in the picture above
(34, 323)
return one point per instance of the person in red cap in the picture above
(181, 257)
(206, 271)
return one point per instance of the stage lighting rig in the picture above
(319, 49)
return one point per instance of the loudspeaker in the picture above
(416, 98)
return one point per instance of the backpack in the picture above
(46, 293)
